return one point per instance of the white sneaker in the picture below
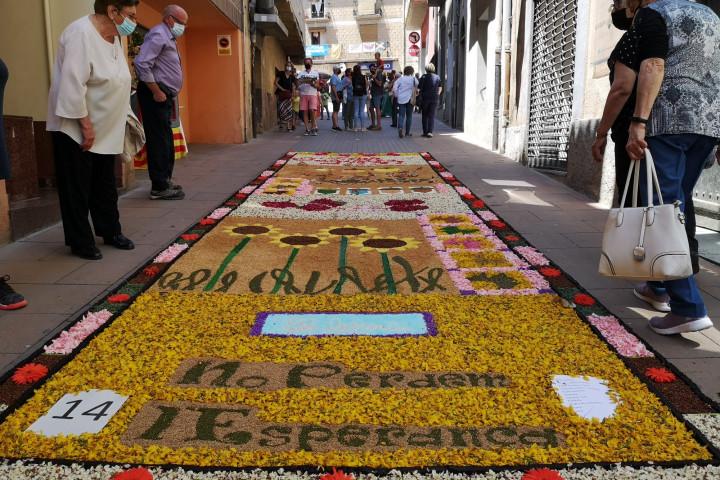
(661, 303)
(673, 324)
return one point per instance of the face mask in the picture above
(620, 20)
(178, 29)
(308, 66)
(126, 28)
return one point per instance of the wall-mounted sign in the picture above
(224, 45)
(414, 37)
(317, 50)
(414, 51)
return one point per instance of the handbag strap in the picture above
(652, 172)
(634, 173)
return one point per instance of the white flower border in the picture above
(48, 471)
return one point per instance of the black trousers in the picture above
(428, 116)
(159, 137)
(622, 167)
(394, 110)
(86, 183)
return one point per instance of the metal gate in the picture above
(551, 85)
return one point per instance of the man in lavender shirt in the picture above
(160, 76)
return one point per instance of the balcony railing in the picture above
(318, 12)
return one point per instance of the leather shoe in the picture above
(119, 241)
(88, 253)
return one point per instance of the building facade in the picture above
(349, 32)
(529, 79)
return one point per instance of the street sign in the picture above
(414, 51)
(414, 37)
(224, 45)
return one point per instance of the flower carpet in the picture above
(360, 312)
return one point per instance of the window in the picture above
(315, 38)
(317, 9)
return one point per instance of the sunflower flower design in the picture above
(345, 232)
(384, 245)
(297, 242)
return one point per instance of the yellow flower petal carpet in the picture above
(358, 311)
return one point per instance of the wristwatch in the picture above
(644, 121)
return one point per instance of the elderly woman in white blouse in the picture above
(88, 109)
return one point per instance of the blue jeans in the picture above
(405, 112)
(360, 103)
(679, 161)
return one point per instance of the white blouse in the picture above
(90, 77)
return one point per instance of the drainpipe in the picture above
(48, 38)
(507, 49)
(498, 74)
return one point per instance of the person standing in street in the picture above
(360, 93)
(404, 91)
(88, 108)
(377, 90)
(624, 65)
(348, 103)
(285, 87)
(160, 75)
(9, 298)
(677, 116)
(336, 97)
(430, 91)
(394, 77)
(308, 81)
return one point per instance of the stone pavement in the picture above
(562, 223)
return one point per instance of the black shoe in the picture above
(168, 194)
(9, 298)
(174, 186)
(88, 253)
(408, 134)
(424, 135)
(119, 241)
(429, 135)
(393, 125)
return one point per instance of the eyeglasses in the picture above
(184, 24)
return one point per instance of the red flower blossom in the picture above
(327, 201)
(207, 221)
(542, 474)
(279, 204)
(550, 272)
(478, 204)
(30, 373)
(316, 207)
(497, 224)
(190, 237)
(660, 375)
(469, 196)
(241, 196)
(337, 475)
(151, 271)
(583, 299)
(119, 298)
(512, 238)
(406, 205)
(133, 474)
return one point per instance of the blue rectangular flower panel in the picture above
(342, 324)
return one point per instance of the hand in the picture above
(88, 133)
(636, 143)
(159, 96)
(598, 148)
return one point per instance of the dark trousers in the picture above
(622, 167)
(86, 183)
(405, 116)
(428, 116)
(159, 137)
(679, 160)
(394, 110)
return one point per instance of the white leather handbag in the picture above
(645, 243)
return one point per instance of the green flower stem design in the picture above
(342, 264)
(388, 273)
(229, 258)
(286, 270)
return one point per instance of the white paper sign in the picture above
(589, 397)
(86, 412)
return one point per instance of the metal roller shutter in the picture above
(551, 85)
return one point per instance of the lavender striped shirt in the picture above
(159, 59)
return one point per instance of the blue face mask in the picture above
(127, 27)
(178, 29)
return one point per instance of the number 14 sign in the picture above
(86, 412)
